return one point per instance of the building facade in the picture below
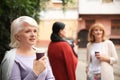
(106, 12)
(78, 17)
(55, 12)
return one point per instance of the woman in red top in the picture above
(61, 56)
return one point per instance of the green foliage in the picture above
(65, 2)
(11, 9)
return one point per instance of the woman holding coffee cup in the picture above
(20, 62)
(101, 54)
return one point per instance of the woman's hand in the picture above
(102, 58)
(39, 65)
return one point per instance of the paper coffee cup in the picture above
(39, 54)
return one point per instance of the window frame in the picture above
(115, 27)
(56, 1)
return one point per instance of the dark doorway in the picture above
(82, 38)
(82, 35)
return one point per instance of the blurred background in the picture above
(78, 15)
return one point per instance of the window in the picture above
(115, 30)
(107, 1)
(57, 1)
(89, 23)
(104, 1)
(93, 0)
(116, 0)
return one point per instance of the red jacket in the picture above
(62, 60)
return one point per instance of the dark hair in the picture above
(57, 26)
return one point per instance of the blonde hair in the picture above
(91, 37)
(17, 26)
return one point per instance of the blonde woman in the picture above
(101, 54)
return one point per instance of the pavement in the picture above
(80, 72)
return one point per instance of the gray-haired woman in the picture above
(20, 62)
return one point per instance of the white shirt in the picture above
(94, 66)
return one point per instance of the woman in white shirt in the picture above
(101, 54)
